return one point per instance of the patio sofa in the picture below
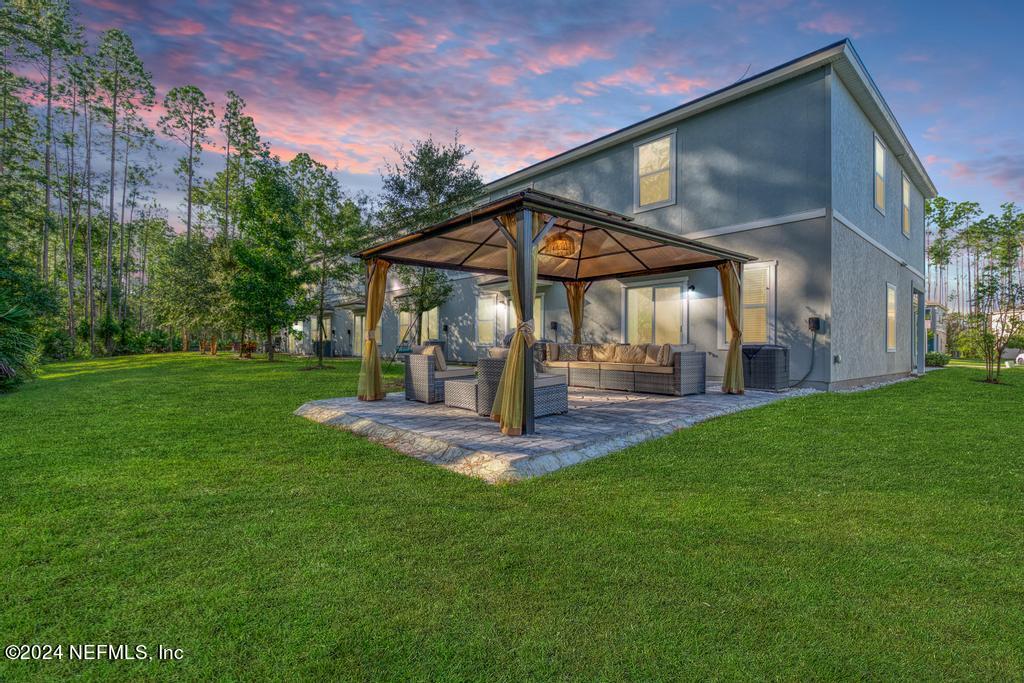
(676, 370)
(426, 372)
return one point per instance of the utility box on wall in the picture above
(766, 366)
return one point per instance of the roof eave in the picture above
(840, 51)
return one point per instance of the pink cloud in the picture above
(833, 23)
(181, 27)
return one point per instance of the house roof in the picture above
(840, 55)
(607, 244)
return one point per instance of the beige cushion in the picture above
(630, 353)
(546, 380)
(497, 352)
(583, 365)
(568, 352)
(605, 353)
(665, 356)
(435, 350)
(586, 353)
(455, 372)
(556, 363)
(622, 367)
(551, 349)
(652, 353)
(654, 369)
(416, 348)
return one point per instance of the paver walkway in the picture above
(598, 423)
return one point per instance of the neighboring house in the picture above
(935, 325)
(803, 167)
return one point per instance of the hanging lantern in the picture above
(560, 244)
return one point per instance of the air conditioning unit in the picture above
(766, 366)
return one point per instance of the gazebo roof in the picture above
(608, 244)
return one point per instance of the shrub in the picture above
(936, 359)
(58, 345)
(19, 349)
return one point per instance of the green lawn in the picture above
(175, 500)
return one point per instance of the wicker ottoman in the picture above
(550, 393)
(461, 393)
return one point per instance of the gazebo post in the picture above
(524, 278)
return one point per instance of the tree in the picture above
(268, 286)
(999, 291)
(188, 118)
(332, 231)
(126, 87)
(51, 32)
(181, 290)
(429, 183)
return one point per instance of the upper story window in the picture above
(879, 176)
(654, 172)
(906, 206)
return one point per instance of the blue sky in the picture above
(347, 82)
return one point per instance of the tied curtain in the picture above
(574, 292)
(371, 383)
(508, 401)
(732, 379)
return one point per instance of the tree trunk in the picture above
(185, 340)
(49, 137)
(110, 218)
(188, 195)
(69, 254)
(270, 344)
(142, 276)
(320, 312)
(213, 346)
(90, 295)
(120, 239)
(227, 182)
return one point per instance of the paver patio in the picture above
(598, 423)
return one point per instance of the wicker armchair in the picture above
(424, 382)
(550, 392)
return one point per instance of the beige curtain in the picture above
(508, 402)
(371, 383)
(574, 292)
(732, 380)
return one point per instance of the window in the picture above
(879, 176)
(429, 328)
(359, 332)
(906, 206)
(655, 314)
(486, 320)
(758, 314)
(890, 317)
(655, 166)
(756, 299)
(327, 329)
(405, 325)
(538, 316)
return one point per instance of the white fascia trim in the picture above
(754, 225)
(875, 243)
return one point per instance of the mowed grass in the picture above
(176, 500)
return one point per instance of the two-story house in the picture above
(803, 166)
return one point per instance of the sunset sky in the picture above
(346, 81)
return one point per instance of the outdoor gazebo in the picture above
(531, 234)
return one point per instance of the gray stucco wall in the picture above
(759, 157)
(859, 276)
(853, 182)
